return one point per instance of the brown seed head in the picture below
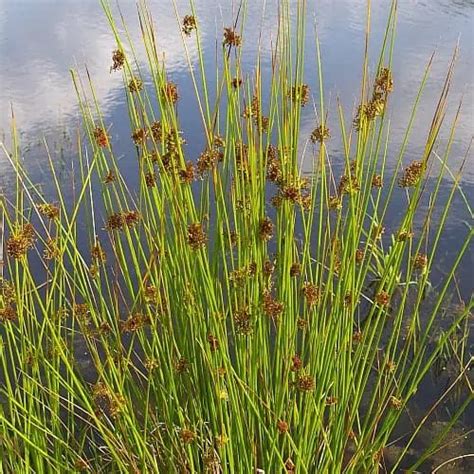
(305, 383)
(189, 24)
(196, 236)
(118, 59)
(101, 137)
(282, 426)
(320, 134)
(231, 38)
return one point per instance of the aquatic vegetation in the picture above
(230, 314)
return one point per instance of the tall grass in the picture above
(237, 315)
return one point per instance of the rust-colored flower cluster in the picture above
(22, 240)
(208, 160)
(139, 136)
(420, 261)
(377, 181)
(296, 363)
(108, 401)
(382, 298)
(122, 220)
(187, 436)
(188, 173)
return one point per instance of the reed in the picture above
(238, 315)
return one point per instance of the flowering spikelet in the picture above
(320, 134)
(265, 229)
(334, 203)
(120, 220)
(382, 298)
(274, 171)
(359, 255)
(48, 210)
(189, 24)
(311, 293)
(268, 267)
(231, 38)
(196, 236)
(101, 137)
(395, 403)
(170, 92)
(412, 174)
(299, 94)
(135, 85)
(118, 59)
(305, 383)
(21, 241)
(182, 365)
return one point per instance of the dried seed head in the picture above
(150, 179)
(384, 81)
(320, 134)
(348, 184)
(290, 466)
(208, 160)
(302, 324)
(331, 401)
(52, 250)
(189, 24)
(134, 323)
(268, 267)
(182, 365)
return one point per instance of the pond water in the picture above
(40, 40)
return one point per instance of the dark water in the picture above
(41, 39)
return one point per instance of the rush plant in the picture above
(238, 315)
